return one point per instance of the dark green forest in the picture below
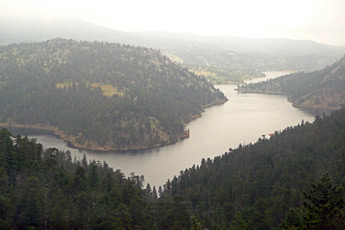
(45, 189)
(320, 89)
(267, 185)
(293, 180)
(100, 95)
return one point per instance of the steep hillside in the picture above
(257, 185)
(100, 95)
(323, 89)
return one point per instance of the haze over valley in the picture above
(172, 114)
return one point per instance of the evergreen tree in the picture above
(93, 177)
(238, 223)
(6, 208)
(58, 214)
(195, 224)
(324, 205)
(31, 205)
(123, 219)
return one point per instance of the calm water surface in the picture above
(243, 119)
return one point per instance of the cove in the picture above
(241, 120)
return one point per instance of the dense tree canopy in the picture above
(44, 189)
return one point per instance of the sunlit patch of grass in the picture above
(204, 73)
(108, 90)
(63, 85)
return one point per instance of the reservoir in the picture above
(241, 120)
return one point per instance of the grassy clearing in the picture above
(108, 90)
(63, 85)
(204, 73)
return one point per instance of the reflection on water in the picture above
(243, 119)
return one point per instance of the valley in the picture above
(232, 118)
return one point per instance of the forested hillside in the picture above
(272, 184)
(262, 185)
(100, 95)
(323, 89)
(45, 189)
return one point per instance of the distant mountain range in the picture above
(41, 30)
(323, 89)
(227, 59)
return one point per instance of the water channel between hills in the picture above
(241, 120)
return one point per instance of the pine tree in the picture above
(58, 208)
(195, 224)
(238, 223)
(123, 219)
(93, 177)
(6, 208)
(31, 207)
(324, 205)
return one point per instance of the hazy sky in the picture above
(318, 20)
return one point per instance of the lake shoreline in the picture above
(70, 140)
(71, 143)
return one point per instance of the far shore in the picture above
(93, 146)
(71, 140)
